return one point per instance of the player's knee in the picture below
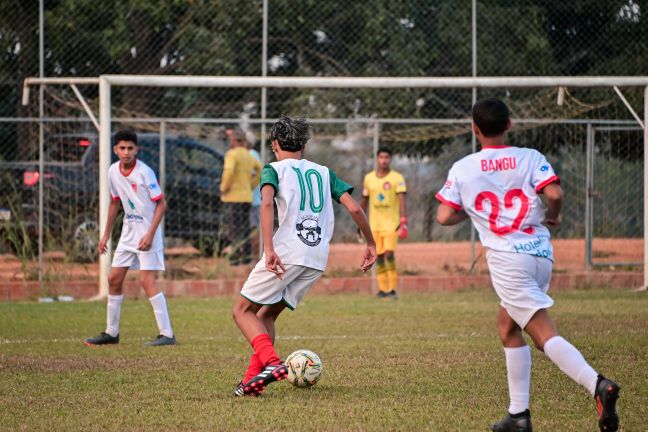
(114, 281)
(507, 332)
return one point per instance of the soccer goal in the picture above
(591, 128)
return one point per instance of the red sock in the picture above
(255, 367)
(264, 349)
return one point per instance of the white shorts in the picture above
(139, 260)
(265, 288)
(521, 281)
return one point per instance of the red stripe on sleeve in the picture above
(114, 198)
(544, 184)
(448, 203)
(158, 198)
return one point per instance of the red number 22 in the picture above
(496, 210)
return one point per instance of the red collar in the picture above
(129, 171)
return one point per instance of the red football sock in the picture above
(264, 349)
(254, 368)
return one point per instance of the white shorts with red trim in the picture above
(521, 281)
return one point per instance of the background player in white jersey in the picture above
(498, 188)
(134, 185)
(295, 257)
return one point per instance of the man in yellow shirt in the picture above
(384, 192)
(241, 174)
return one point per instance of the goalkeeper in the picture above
(384, 192)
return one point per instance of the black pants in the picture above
(235, 231)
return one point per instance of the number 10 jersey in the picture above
(304, 192)
(499, 187)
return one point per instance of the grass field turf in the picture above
(425, 362)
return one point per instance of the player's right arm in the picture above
(360, 218)
(113, 209)
(228, 172)
(273, 262)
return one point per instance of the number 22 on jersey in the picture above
(496, 210)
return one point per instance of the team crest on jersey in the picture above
(387, 186)
(134, 187)
(309, 231)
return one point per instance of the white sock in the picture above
(161, 314)
(518, 372)
(113, 313)
(571, 362)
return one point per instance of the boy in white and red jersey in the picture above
(134, 185)
(296, 255)
(499, 189)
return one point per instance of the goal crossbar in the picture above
(105, 83)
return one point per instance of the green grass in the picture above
(425, 362)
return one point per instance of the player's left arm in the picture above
(554, 196)
(402, 227)
(359, 217)
(146, 242)
(447, 215)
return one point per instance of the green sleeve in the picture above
(269, 176)
(338, 186)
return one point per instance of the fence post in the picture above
(162, 163)
(589, 165)
(645, 197)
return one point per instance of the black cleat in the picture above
(102, 339)
(382, 294)
(269, 374)
(606, 395)
(392, 294)
(514, 423)
(238, 390)
(162, 340)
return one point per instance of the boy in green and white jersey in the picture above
(295, 257)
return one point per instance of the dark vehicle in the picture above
(71, 192)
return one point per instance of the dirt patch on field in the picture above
(414, 259)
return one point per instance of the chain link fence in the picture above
(427, 129)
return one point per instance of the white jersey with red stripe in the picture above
(499, 187)
(138, 191)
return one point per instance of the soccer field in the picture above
(424, 362)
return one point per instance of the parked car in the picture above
(71, 184)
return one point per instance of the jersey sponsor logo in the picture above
(309, 231)
(387, 185)
(153, 186)
(502, 164)
(134, 187)
(544, 168)
(133, 217)
(538, 247)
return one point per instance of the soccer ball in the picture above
(304, 368)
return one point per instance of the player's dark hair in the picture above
(384, 150)
(491, 116)
(292, 134)
(124, 135)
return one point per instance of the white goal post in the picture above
(106, 82)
